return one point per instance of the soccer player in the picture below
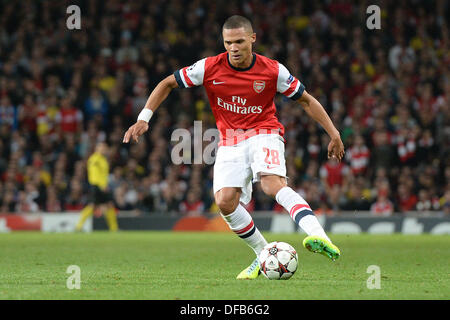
(241, 86)
(99, 197)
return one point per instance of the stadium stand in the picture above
(61, 91)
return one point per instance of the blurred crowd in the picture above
(61, 91)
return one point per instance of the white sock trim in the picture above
(241, 223)
(300, 212)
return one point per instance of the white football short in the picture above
(242, 164)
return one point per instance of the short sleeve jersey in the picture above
(242, 100)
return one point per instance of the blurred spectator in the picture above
(8, 202)
(120, 197)
(426, 202)
(193, 204)
(25, 203)
(8, 113)
(383, 150)
(382, 206)
(27, 114)
(70, 119)
(96, 107)
(169, 200)
(333, 172)
(406, 199)
(75, 200)
(358, 155)
(356, 200)
(445, 202)
(52, 203)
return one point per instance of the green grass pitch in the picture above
(203, 266)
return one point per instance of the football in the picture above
(278, 260)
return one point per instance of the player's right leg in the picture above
(95, 198)
(232, 185)
(241, 223)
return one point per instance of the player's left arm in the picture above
(316, 111)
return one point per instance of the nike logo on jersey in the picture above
(269, 167)
(215, 82)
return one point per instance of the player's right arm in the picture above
(186, 77)
(158, 95)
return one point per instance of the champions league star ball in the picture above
(278, 260)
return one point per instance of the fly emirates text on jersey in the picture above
(237, 105)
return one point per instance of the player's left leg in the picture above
(299, 210)
(87, 211)
(111, 218)
(269, 167)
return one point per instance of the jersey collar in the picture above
(242, 69)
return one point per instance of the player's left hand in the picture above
(336, 149)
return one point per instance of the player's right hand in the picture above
(135, 131)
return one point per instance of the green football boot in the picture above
(320, 245)
(251, 272)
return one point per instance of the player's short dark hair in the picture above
(236, 21)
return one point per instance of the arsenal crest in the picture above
(259, 85)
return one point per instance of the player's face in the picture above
(238, 43)
(103, 149)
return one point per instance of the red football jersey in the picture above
(242, 100)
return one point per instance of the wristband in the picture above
(145, 114)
